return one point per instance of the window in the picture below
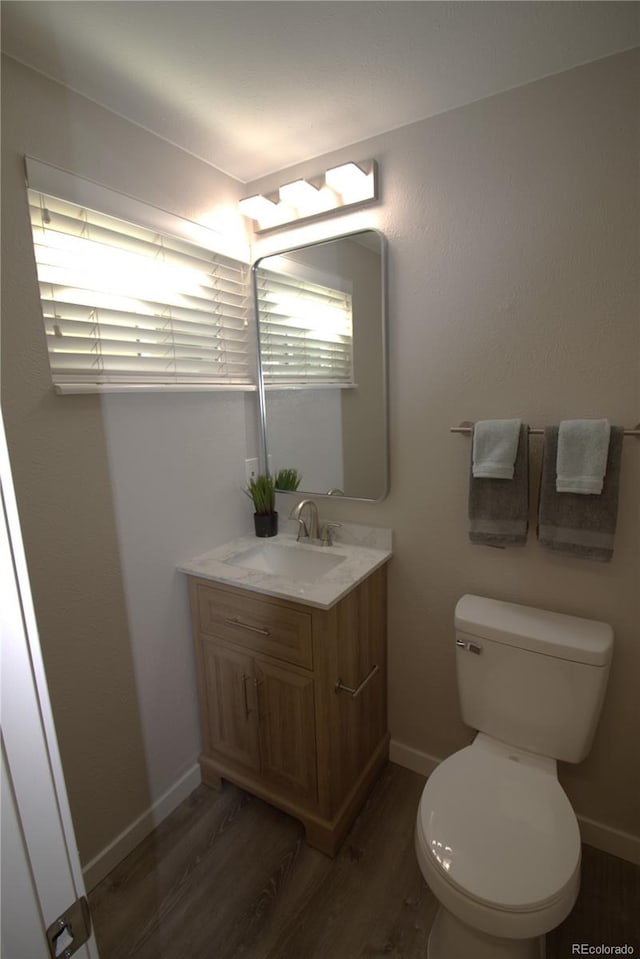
(306, 330)
(128, 307)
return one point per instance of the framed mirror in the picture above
(321, 319)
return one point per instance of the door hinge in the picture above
(70, 930)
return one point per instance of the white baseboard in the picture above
(606, 838)
(122, 845)
(411, 758)
(614, 841)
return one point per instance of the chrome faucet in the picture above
(313, 533)
(310, 531)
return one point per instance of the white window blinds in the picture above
(128, 307)
(306, 332)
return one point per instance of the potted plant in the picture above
(287, 479)
(262, 491)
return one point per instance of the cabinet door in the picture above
(287, 728)
(231, 714)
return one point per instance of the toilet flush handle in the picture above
(469, 646)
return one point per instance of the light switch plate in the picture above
(250, 468)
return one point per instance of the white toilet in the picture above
(496, 838)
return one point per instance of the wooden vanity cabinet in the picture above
(273, 719)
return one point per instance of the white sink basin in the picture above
(279, 566)
(299, 563)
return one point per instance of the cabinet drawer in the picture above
(256, 624)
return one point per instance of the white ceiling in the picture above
(253, 87)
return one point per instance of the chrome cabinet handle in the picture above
(341, 688)
(246, 700)
(254, 629)
(257, 683)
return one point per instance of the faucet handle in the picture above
(327, 536)
(303, 532)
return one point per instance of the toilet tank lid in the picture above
(538, 630)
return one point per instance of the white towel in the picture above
(581, 462)
(495, 445)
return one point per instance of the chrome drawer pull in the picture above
(341, 688)
(254, 629)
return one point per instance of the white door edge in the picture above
(29, 739)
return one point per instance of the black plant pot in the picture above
(266, 524)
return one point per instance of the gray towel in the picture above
(499, 508)
(575, 523)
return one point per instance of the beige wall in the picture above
(112, 491)
(512, 227)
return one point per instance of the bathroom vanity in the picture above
(292, 684)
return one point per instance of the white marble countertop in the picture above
(361, 549)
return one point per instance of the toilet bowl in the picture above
(498, 844)
(496, 838)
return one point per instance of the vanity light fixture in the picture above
(340, 187)
(300, 193)
(351, 181)
(258, 207)
(308, 197)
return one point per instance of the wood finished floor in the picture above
(227, 876)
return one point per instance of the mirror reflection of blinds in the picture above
(306, 332)
(126, 306)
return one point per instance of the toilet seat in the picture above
(495, 824)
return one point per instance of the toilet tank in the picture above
(529, 677)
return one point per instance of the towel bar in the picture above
(467, 426)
